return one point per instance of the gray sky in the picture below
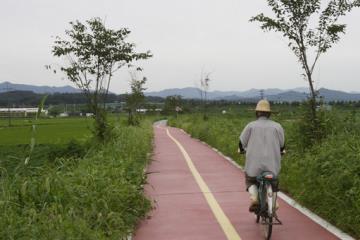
(185, 36)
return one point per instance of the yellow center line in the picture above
(220, 216)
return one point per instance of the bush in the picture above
(312, 131)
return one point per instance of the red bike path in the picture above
(182, 210)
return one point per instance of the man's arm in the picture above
(282, 148)
(244, 139)
(281, 139)
(241, 148)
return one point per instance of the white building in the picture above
(20, 112)
(64, 114)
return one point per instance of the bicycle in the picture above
(266, 211)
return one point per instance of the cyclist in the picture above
(263, 140)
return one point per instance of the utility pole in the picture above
(262, 95)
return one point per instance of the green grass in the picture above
(48, 131)
(58, 137)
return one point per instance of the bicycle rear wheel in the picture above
(270, 211)
(268, 224)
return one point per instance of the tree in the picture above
(136, 98)
(93, 54)
(204, 89)
(173, 104)
(293, 18)
(55, 110)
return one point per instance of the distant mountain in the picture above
(301, 89)
(36, 89)
(218, 95)
(333, 95)
(188, 92)
(291, 95)
(327, 95)
(256, 92)
(272, 94)
(31, 99)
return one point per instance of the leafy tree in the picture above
(55, 110)
(136, 98)
(173, 105)
(311, 30)
(93, 54)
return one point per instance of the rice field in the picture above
(54, 131)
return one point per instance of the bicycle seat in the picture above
(267, 175)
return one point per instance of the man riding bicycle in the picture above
(263, 140)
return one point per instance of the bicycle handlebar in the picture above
(283, 152)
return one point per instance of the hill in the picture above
(272, 94)
(334, 95)
(36, 89)
(31, 99)
(252, 95)
(194, 93)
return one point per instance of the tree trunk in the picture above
(312, 96)
(308, 72)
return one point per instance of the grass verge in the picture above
(94, 195)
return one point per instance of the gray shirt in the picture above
(262, 140)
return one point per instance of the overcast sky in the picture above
(185, 36)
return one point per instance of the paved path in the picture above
(200, 195)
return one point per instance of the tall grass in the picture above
(324, 177)
(97, 195)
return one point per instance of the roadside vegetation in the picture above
(323, 176)
(71, 187)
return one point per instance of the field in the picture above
(67, 187)
(48, 131)
(324, 177)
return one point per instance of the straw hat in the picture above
(263, 106)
